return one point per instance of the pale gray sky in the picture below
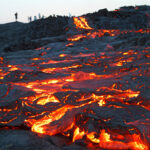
(27, 8)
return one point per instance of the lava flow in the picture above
(93, 96)
(81, 24)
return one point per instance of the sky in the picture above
(32, 8)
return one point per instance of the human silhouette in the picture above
(39, 16)
(16, 16)
(30, 19)
(35, 18)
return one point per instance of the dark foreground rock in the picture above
(23, 140)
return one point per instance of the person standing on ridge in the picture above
(39, 16)
(35, 18)
(30, 19)
(16, 16)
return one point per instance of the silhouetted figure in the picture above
(16, 16)
(30, 19)
(35, 18)
(39, 16)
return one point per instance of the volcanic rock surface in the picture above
(89, 90)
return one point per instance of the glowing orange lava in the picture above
(85, 95)
(81, 23)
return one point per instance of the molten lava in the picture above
(81, 23)
(93, 96)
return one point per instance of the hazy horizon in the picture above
(58, 7)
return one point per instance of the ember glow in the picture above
(90, 96)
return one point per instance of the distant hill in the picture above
(20, 36)
(124, 18)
